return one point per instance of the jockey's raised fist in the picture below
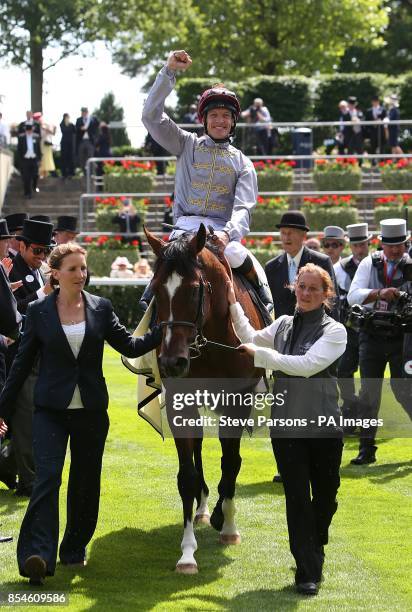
(179, 60)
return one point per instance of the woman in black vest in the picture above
(68, 329)
(304, 346)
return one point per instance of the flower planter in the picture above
(329, 180)
(265, 219)
(396, 179)
(104, 218)
(387, 212)
(264, 255)
(318, 216)
(276, 180)
(124, 183)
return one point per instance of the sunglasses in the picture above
(332, 245)
(40, 250)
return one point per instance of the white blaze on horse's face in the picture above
(172, 285)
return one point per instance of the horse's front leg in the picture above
(188, 483)
(223, 515)
(202, 511)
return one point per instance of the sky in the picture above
(75, 82)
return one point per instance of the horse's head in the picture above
(181, 298)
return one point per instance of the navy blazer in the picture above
(284, 300)
(60, 371)
(28, 291)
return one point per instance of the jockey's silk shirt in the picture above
(213, 180)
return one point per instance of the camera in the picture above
(396, 321)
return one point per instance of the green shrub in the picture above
(337, 175)
(138, 183)
(319, 217)
(100, 259)
(267, 213)
(396, 174)
(125, 302)
(387, 212)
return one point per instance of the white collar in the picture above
(296, 259)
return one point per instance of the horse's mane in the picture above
(176, 256)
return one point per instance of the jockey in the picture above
(215, 183)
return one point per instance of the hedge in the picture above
(319, 217)
(123, 183)
(388, 212)
(125, 302)
(265, 219)
(99, 260)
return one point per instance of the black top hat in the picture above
(16, 220)
(43, 218)
(66, 223)
(37, 232)
(293, 218)
(4, 230)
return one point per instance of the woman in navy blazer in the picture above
(68, 330)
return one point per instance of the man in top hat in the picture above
(43, 218)
(333, 242)
(65, 230)
(345, 269)
(35, 245)
(86, 133)
(352, 134)
(282, 270)
(15, 224)
(376, 285)
(29, 154)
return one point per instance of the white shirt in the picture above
(360, 289)
(30, 154)
(296, 258)
(75, 334)
(342, 278)
(321, 354)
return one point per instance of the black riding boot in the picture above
(248, 270)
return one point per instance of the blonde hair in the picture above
(59, 253)
(327, 283)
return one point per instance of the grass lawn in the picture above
(137, 541)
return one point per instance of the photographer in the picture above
(258, 113)
(376, 285)
(345, 270)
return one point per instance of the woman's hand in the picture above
(249, 348)
(179, 60)
(230, 292)
(3, 427)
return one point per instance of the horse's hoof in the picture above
(186, 568)
(233, 539)
(202, 519)
(217, 519)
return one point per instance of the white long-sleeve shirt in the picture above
(320, 355)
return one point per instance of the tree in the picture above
(236, 39)
(29, 27)
(109, 111)
(395, 56)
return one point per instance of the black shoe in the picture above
(35, 569)
(277, 478)
(366, 455)
(6, 538)
(307, 588)
(23, 491)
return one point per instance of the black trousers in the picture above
(348, 365)
(30, 175)
(310, 474)
(374, 354)
(39, 533)
(67, 159)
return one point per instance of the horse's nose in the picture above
(175, 367)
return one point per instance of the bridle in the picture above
(199, 341)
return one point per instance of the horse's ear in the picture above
(156, 243)
(198, 241)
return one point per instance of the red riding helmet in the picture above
(218, 97)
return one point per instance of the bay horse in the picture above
(190, 291)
